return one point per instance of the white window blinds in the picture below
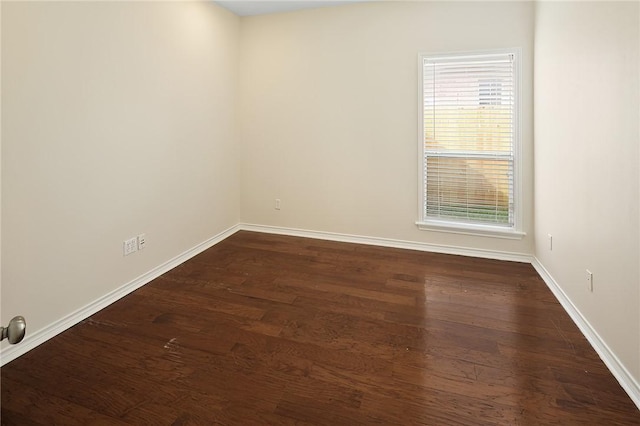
(469, 123)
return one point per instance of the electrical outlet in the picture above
(130, 246)
(589, 277)
(142, 241)
(277, 204)
(550, 238)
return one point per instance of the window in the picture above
(469, 143)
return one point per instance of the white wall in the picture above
(329, 113)
(587, 162)
(118, 118)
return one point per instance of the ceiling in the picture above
(250, 8)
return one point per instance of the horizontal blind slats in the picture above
(469, 118)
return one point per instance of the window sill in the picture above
(477, 230)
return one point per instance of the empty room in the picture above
(317, 212)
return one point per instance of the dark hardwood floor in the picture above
(264, 329)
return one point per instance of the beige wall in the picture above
(587, 162)
(117, 119)
(329, 113)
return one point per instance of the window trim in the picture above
(452, 226)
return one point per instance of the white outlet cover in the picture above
(130, 246)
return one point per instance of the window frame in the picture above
(470, 228)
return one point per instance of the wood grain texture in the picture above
(264, 329)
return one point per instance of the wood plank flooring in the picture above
(264, 329)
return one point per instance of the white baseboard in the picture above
(32, 340)
(626, 380)
(387, 242)
(619, 371)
